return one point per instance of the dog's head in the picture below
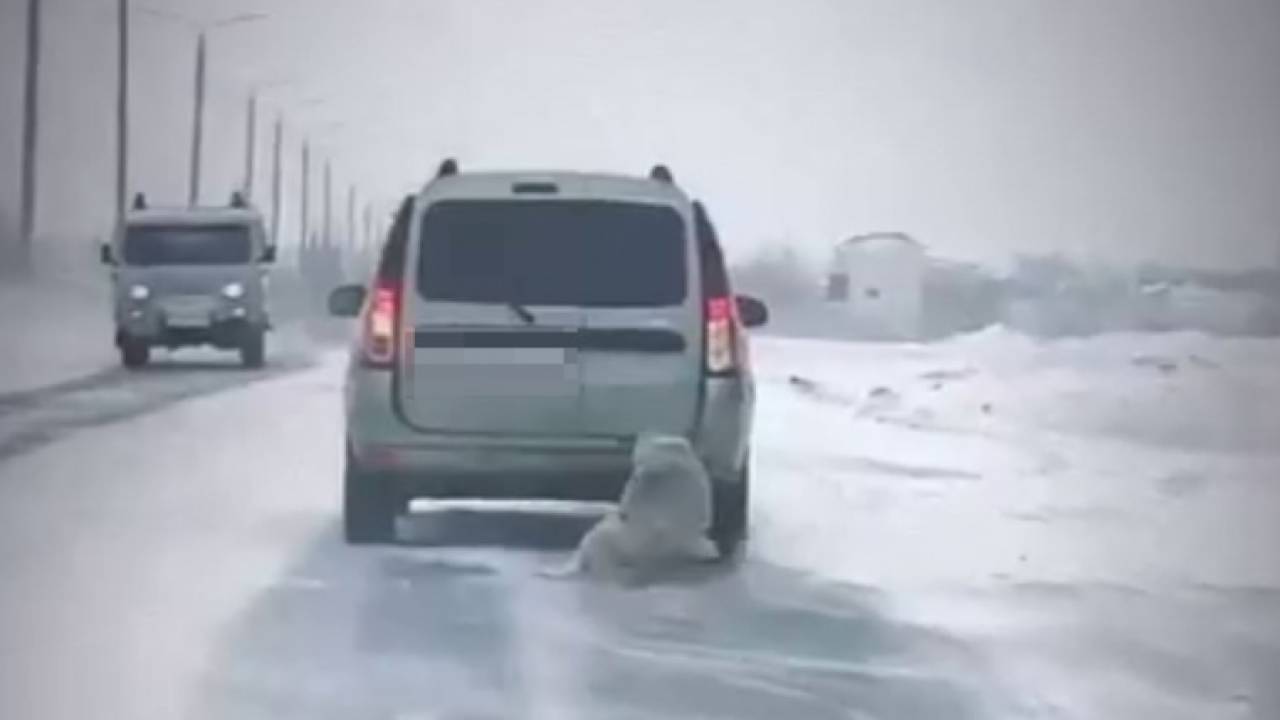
(669, 487)
(662, 452)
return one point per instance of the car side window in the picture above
(391, 264)
(715, 275)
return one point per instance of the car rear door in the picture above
(487, 348)
(641, 351)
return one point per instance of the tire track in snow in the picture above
(35, 418)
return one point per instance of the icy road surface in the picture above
(986, 528)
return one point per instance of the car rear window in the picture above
(553, 252)
(187, 245)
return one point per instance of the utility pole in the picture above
(250, 145)
(122, 111)
(368, 227)
(306, 195)
(277, 148)
(328, 204)
(197, 115)
(352, 236)
(30, 134)
(197, 124)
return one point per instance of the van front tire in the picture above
(369, 509)
(134, 353)
(253, 349)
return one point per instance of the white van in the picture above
(190, 276)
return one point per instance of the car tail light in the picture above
(380, 321)
(722, 341)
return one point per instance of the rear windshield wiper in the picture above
(523, 313)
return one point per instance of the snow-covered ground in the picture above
(991, 527)
(1099, 514)
(1134, 432)
(53, 331)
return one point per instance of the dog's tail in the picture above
(701, 549)
(569, 570)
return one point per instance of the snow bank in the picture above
(1180, 390)
(53, 329)
(1096, 513)
(1124, 459)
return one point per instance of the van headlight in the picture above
(139, 292)
(233, 291)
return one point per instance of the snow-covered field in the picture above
(990, 527)
(53, 332)
(1126, 433)
(1100, 514)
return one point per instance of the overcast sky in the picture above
(1121, 130)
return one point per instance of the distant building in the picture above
(959, 297)
(1188, 305)
(878, 282)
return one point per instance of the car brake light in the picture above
(722, 320)
(380, 327)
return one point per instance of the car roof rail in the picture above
(139, 201)
(448, 168)
(238, 200)
(662, 174)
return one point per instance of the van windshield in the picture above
(187, 245)
(557, 252)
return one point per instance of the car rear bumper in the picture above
(476, 466)
(501, 473)
(491, 465)
(474, 455)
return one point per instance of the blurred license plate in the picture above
(188, 312)
(188, 320)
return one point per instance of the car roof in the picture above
(193, 216)
(568, 185)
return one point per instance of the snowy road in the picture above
(986, 528)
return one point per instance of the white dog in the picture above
(661, 520)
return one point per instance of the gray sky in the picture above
(1116, 129)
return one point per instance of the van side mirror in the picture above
(106, 255)
(268, 254)
(754, 313)
(346, 301)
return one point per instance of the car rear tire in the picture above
(729, 513)
(369, 508)
(134, 353)
(253, 349)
